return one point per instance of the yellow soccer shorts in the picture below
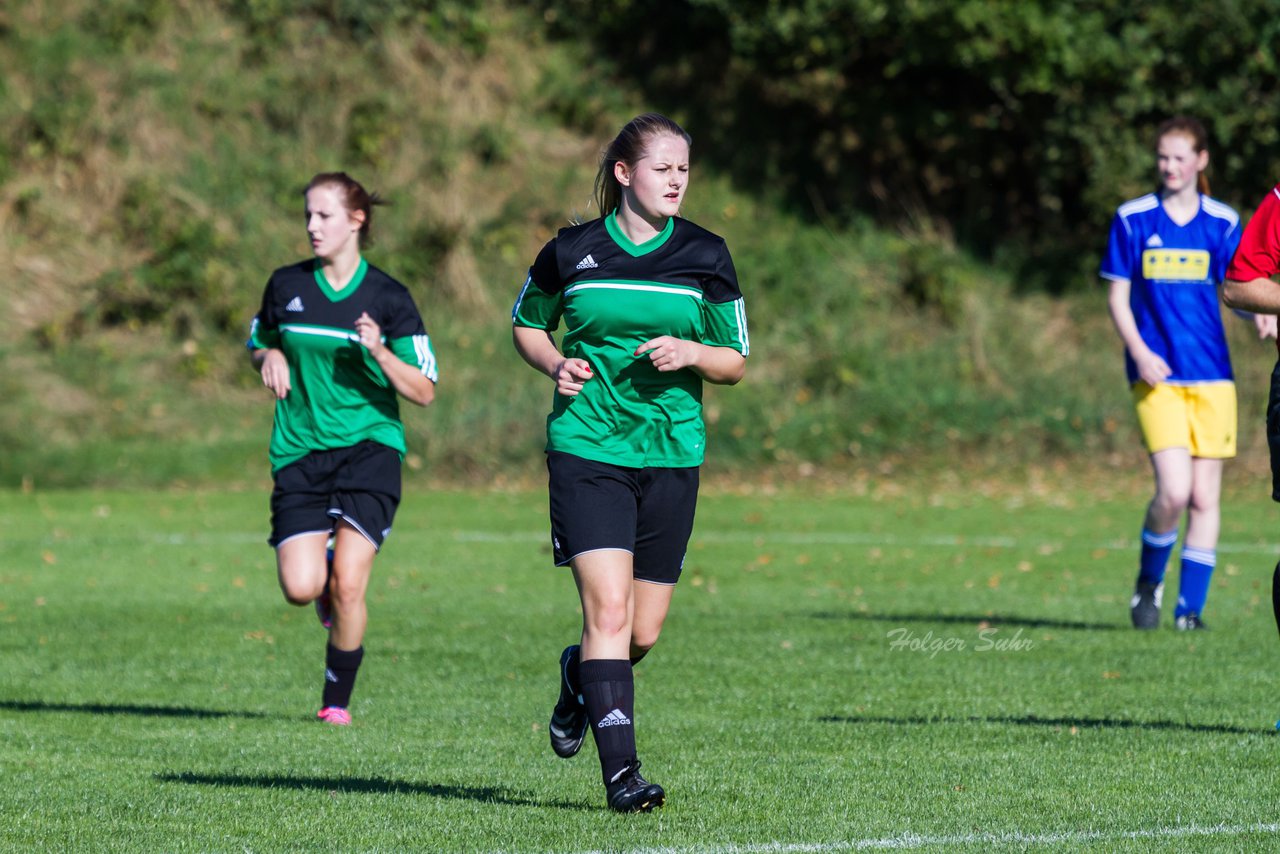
(1200, 418)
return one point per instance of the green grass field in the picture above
(902, 671)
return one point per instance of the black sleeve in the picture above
(403, 317)
(545, 271)
(264, 329)
(722, 284)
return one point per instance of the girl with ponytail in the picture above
(1166, 257)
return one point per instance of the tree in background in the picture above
(1002, 119)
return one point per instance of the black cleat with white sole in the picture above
(568, 726)
(633, 793)
(1190, 623)
(1144, 608)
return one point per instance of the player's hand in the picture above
(275, 373)
(1152, 369)
(1266, 325)
(370, 333)
(571, 375)
(669, 354)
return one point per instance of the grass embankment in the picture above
(149, 175)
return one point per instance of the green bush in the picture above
(1021, 125)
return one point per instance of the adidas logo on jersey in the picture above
(295, 304)
(614, 718)
(1154, 240)
(587, 263)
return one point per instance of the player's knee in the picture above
(346, 592)
(608, 619)
(1204, 503)
(299, 593)
(643, 640)
(1172, 500)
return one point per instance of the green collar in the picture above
(332, 293)
(632, 249)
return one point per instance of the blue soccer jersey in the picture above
(1174, 272)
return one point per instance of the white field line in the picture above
(720, 537)
(908, 841)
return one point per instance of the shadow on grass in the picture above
(1037, 721)
(124, 709)
(371, 786)
(970, 620)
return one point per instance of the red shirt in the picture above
(1258, 255)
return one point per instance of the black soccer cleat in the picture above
(568, 726)
(1190, 623)
(632, 793)
(1144, 607)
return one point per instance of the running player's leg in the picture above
(668, 501)
(1172, 468)
(300, 526)
(593, 509)
(300, 566)
(353, 557)
(1199, 551)
(604, 579)
(363, 507)
(1173, 478)
(1212, 409)
(652, 602)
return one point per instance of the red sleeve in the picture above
(1258, 256)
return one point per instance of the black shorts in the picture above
(645, 511)
(1273, 431)
(359, 484)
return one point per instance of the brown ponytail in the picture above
(354, 198)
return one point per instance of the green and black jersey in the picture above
(339, 395)
(614, 295)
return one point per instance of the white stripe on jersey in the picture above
(426, 358)
(740, 309)
(1136, 206)
(320, 330)
(619, 286)
(515, 309)
(1215, 208)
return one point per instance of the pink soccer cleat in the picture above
(335, 715)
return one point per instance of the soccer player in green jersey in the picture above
(651, 309)
(338, 342)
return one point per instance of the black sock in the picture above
(636, 656)
(609, 692)
(340, 668)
